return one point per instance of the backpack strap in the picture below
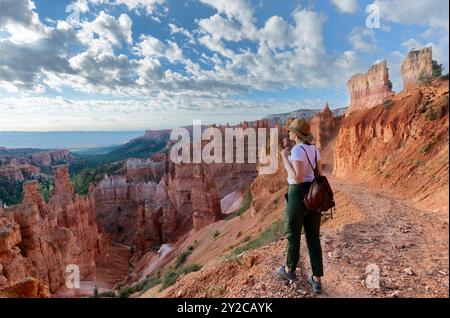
(315, 170)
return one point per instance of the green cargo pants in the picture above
(297, 216)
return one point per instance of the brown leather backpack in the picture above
(320, 196)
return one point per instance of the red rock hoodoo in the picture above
(39, 240)
(323, 127)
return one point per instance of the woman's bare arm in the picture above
(287, 165)
(319, 167)
(298, 167)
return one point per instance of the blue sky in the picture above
(150, 64)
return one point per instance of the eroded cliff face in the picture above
(159, 212)
(40, 240)
(157, 201)
(17, 172)
(47, 158)
(203, 198)
(403, 147)
(118, 204)
(370, 89)
(417, 65)
(150, 169)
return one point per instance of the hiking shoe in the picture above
(290, 276)
(316, 286)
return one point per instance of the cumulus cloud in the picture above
(346, 6)
(429, 12)
(147, 6)
(274, 33)
(150, 46)
(293, 51)
(28, 67)
(23, 64)
(20, 20)
(105, 26)
(238, 10)
(362, 39)
(105, 73)
(18, 12)
(176, 29)
(210, 67)
(220, 27)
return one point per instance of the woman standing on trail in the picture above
(296, 216)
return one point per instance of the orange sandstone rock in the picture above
(370, 89)
(416, 66)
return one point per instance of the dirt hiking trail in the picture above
(408, 245)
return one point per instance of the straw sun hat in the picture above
(302, 129)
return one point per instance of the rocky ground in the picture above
(408, 245)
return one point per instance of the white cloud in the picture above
(346, 6)
(105, 26)
(20, 20)
(362, 39)
(434, 13)
(150, 46)
(274, 33)
(412, 44)
(176, 29)
(308, 31)
(238, 10)
(431, 13)
(293, 51)
(222, 28)
(216, 45)
(148, 6)
(99, 72)
(347, 60)
(44, 113)
(23, 64)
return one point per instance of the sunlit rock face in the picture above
(39, 239)
(47, 158)
(370, 89)
(417, 65)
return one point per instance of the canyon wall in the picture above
(47, 158)
(417, 66)
(370, 89)
(39, 239)
(157, 201)
(403, 147)
(17, 172)
(140, 169)
(118, 205)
